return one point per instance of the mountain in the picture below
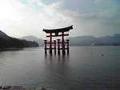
(113, 40)
(109, 40)
(33, 38)
(97, 41)
(3, 35)
(82, 40)
(7, 42)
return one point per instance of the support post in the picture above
(68, 47)
(55, 47)
(63, 44)
(45, 42)
(58, 40)
(50, 43)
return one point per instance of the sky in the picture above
(20, 18)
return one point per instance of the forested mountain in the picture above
(7, 42)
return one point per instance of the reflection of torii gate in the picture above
(61, 44)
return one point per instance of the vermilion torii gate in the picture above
(59, 45)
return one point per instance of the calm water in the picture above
(86, 68)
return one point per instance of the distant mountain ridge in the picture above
(96, 41)
(33, 38)
(113, 40)
(7, 42)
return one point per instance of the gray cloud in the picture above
(93, 17)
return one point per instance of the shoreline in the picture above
(11, 49)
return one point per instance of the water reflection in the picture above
(57, 68)
(59, 59)
(77, 71)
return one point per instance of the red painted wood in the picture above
(58, 35)
(50, 43)
(62, 45)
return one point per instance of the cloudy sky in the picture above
(90, 17)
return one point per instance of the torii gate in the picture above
(61, 44)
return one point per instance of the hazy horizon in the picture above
(20, 18)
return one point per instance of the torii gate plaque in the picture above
(57, 44)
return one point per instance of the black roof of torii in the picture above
(65, 29)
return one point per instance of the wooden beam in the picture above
(51, 48)
(49, 42)
(57, 35)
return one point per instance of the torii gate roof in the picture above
(65, 29)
